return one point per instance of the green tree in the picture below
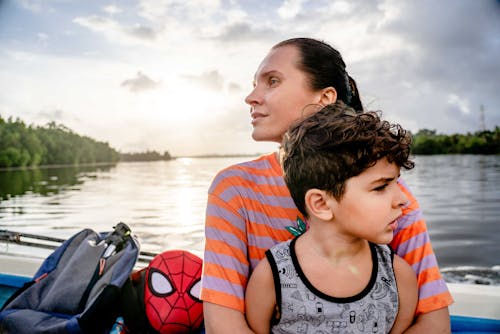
(22, 146)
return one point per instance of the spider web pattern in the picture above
(178, 312)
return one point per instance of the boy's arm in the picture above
(408, 295)
(260, 298)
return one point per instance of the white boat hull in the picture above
(479, 304)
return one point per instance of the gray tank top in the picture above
(304, 309)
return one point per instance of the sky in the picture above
(172, 75)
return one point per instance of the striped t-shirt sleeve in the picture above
(226, 266)
(412, 243)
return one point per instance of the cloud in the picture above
(117, 32)
(460, 103)
(425, 64)
(142, 32)
(55, 115)
(233, 87)
(242, 32)
(186, 11)
(140, 83)
(112, 9)
(97, 23)
(212, 80)
(32, 5)
(290, 8)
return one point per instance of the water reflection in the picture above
(46, 181)
(164, 202)
(460, 198)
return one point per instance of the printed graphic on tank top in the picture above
(305, 309)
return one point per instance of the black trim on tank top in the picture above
(339, 300)
(277, 285)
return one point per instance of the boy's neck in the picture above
(321, 255)
(335, 247)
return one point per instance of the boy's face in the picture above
(371, 204)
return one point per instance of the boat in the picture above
(476, 308)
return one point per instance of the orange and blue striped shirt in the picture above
(249, 209)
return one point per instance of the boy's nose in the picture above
(400, 200)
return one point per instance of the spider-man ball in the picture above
(172, 291)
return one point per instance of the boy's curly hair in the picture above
(325, 149)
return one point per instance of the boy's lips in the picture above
(393, 224)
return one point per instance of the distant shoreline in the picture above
(95, 164)
(201, 156)
(222, 155)
(99, 164)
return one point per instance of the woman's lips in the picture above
(256, 116)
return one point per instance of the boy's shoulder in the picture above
(282, 245)
(280, 252)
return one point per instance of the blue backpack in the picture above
(77, 288)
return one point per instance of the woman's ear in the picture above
(328, 96)
(317, 204)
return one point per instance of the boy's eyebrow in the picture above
(385, 179)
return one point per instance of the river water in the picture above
(164, 204)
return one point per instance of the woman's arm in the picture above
(225, 264)
(412, 243)
(408, 295)
(224, 320)
(432, 322)
(437, 321)
(260, 298)
(260, 303)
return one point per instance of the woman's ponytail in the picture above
(355, 102)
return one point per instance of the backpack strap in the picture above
(66, 294)
(132, 304)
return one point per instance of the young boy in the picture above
(342, 170)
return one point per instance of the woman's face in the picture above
(280, 94)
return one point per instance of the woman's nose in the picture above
(252, 98)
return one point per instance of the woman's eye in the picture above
(381, 188)
(273, 81)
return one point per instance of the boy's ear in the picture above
(317, 204)
(328, 96)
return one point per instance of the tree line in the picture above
(55, 144)
(52, 144)
(482, 142)
(145, 156)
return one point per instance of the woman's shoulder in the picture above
(265, 164)
(262, 170)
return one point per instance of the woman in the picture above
(250, 209)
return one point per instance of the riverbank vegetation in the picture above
(52, 144)
(482, 142)
(145, 156)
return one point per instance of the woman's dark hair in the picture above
(325, 67)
